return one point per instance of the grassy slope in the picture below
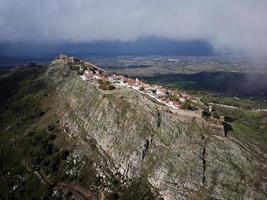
(26, 141)
(244, 124)
(247, 126)
(20, 96)
(30, 141)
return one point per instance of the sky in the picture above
(227, 25)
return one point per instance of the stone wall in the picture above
(216, 127)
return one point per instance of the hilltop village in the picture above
(187, 108)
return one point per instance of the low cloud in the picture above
(239, 25)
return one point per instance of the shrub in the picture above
(51, 127)
(138, 189)
(54, 163)
(206, 114)
(105, 85)
(174, 98)
(52, 137)
(110, 87)
(186, 105)
(64, 154)
(141, 88)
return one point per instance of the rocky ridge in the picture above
(136, 138)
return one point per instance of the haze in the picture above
(228, 26)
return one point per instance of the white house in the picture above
(83, 77)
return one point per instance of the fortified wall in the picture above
(212, 125)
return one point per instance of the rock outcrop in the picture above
(138, 138)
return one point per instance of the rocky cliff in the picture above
(126, 137)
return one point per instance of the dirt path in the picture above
(84, 193)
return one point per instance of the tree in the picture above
(106, 85)
(186, 105)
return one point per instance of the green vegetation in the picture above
(106, 85)
(27, 144)
(231, 101)
(186, 105)
(241, 123)
(138, 189)
(246, 125)
(223, 83)
(21, 94)
(44, 154)
(25, 147)
(174, 98)
(32, 142)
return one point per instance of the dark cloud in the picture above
(239, 25)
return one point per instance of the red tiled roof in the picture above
(130, 81)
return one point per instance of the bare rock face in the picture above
(58, 70)
(179, 160)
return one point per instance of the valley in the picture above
(133, 100)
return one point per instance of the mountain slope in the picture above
(120, 144)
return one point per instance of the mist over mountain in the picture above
(133, 99)
(150, 45)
